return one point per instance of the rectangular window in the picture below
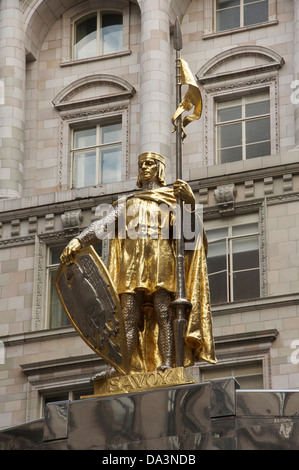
(65, 395)
(56, 314)
(234, 263)
(96, 154)
(243, 128)
(248, 375)
(98, 34)
(231, 14)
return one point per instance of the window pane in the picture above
(228, 19)
(85, 137)
(111, 164)
(256, 109)
(217, 233)
(86, 38)
(84, 391)
(112, 33)
(249, 376)
(218, 288)
(245, 229)
(245, 253)
(230, 135)
(57, 315)
(252, 382)
(230, 155)
(217, 256)
(55, 254)
(258, 150)
(84, 169)
(54, 398)
(258, 130)
(246, 285)
(226, 3)
(255, 13)
(229, 114)
(111, 133)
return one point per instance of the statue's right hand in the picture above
(68, 253)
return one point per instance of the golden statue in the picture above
(148, 314)
(142, 268)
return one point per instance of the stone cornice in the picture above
(263, 336)
(257, 304)
(38, 336)
(274, 179)
(54, 365)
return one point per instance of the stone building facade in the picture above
(85, 87)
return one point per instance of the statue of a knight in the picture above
(142, 266)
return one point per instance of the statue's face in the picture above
(148, 170)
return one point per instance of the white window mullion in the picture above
(98, 156)
(229, 269)
(243, 138)
(99, 33)
(241, 13)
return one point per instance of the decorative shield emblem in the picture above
(92, 304)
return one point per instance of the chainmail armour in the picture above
(132, 312)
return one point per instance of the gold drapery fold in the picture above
(199, 342)
(191, 99)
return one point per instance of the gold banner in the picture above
(191, 99)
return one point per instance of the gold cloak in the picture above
(148, 263)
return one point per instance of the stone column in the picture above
(295, 94)
(12, 100)
(156, 82)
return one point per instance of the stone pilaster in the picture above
(156, 89)
(12, 76)
(296, 68)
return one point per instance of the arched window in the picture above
(98, 33)
(94, 112)
(96, 153)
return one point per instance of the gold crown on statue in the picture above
(151, 155)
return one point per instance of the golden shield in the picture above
(92, 304)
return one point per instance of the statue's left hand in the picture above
(70, 250)
(182, 190)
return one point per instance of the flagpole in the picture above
(180, 304)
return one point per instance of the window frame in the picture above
(81, 10)
(99, 145)
(230, 223)
(68, 393)
(99, 42)
(234, 367)
(49, 268)
(105, 108)
(209, 22)
(235, 89)
(241, 6)
(243, 120)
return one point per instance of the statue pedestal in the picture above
(172, 421)
(172, 418)
(141, 381)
